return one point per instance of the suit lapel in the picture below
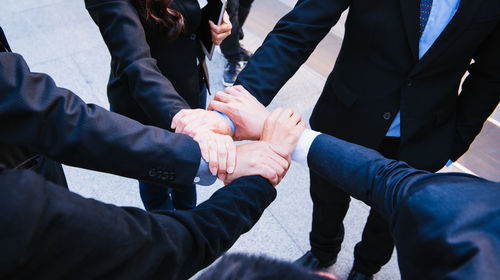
(411, 13)
(466, 11)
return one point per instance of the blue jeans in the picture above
(161, 197)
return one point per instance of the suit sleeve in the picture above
(288, 46)
(480, 93)
(34, 112)
(122, 31)
(43, 222)
(363, 173)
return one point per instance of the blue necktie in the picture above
(425, 11)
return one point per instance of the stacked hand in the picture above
(277, 132)
(246, 112)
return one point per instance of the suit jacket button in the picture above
(152, 172)
(410, 83)
(192, 37)
(386, 116)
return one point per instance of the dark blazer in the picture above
(51, 233)
(444, 225)
(378, 72)
(151, 77)
(53, 121)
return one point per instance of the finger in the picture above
(225, 27)
(269, 173)
(176, 118)
(213, 26)
(193, 128)
(231, 155)
(221, 107)
(233, 91)
(224, 97)
(204, 150)
(281, 163)
(212, 150)
(295, 118)
(221, 156)
(286, 113)
(184, 121)
(273, 117)
(278, 149)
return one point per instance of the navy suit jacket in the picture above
(48, 232)
(444, 225)
(378, 72)
(52, 121)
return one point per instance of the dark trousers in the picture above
(238, 11)
(327, 233)
(161, 197)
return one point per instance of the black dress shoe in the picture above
(231, 71)
(356, 275)
(308, 260)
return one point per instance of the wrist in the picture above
(231, 130)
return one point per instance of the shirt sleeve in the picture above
(303, 145)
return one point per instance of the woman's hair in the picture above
(157, 12)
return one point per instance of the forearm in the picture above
(34, 112)
(361, 172)
(288, 46)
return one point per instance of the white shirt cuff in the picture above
(302, 148)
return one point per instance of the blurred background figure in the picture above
(235, 54)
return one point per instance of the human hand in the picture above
(259, 158)
(193, 121)
(219, 151)
(219, 33)
(246, 112)
(283, 128)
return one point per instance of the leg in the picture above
(184, 200)
(243, 12)
(329, 209)
(230, 46)
(376, 246)
(155, 197)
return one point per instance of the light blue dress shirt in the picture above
(442, 12)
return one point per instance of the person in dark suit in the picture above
(444, 225)
(394, 88)
(157, 69)
(47, 232)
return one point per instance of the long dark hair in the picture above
(157, 12)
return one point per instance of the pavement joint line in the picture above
(283, 227)
(463, 168)
(493, 121)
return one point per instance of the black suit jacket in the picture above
(36, 114)
(445, 226)
(378, 72)
(152, 78)
(48, 232)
